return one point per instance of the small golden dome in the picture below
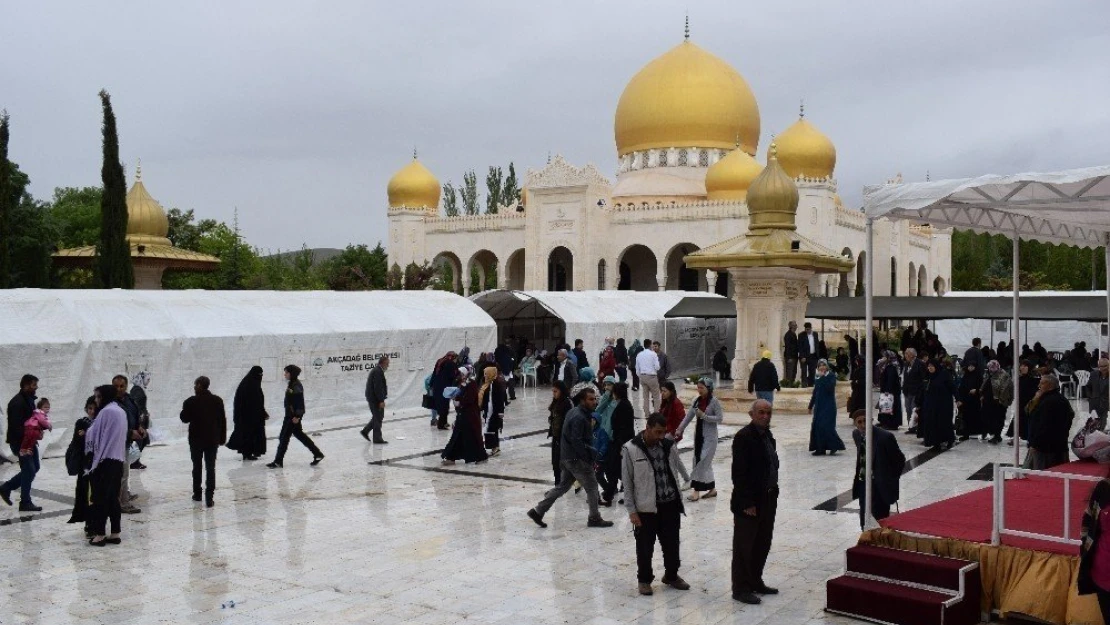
(686, 98)
(772, 197)
(147, 223)
(806, 151)
(413, 187)
(730, 177)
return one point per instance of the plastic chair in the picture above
(1067, 382)
(529, 371)
(1082, 378)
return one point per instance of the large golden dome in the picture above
(730, 177)
(686, 98)
(147, 223)
(805, 151)
(413, 187)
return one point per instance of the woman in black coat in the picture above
(859, 372)
(249, 415)
(624, 430)
(75, 465)
(443, 376)
(889, 382)
(968, 401)
(937, 410)
(556, 412)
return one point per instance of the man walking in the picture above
(580, 359)
(204, 412)
(577, 458)
(19, 410)
(764, 379)
(376, 393)
(664, 372)
(564, 369)
(647, 364)
(649, 470)
(808, 354)
(135, 433)
(913, 386)
(790, 351)
(974, 355)
(503, 356)
(888, 461)
(755, 496)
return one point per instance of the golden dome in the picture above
(413, 187)
(686, 98)
(805, 151)
(147, 223)
(730, 177)
(772, 198)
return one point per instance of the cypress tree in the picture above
(113, 254)
(6, 206)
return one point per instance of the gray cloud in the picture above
(297, 114)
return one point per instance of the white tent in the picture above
(1070, 207)
(1055, 336)
(76, 339)
(563, 316)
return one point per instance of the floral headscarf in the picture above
(993, 366)
(141, 379)
(707, 382)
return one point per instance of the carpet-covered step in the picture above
(890, 602)
(910, 566)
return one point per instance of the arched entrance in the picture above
(861, 266)
(842, 288)
(679, 277)
(939, 286)
(451, 268)
(481, 271)
(922, 281)
(601, 275)
(893, 276)
(912, 286)
(514, 271)
(560, 270)
(638, 268)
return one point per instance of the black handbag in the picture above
(75, 456)
(426, 402)
(493, 440)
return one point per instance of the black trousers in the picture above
(809, 370)
(294, 430)
(663, 525)
(377, 415)
(106, 481)
(1104, 604)
(80, 512)
(611, 468)
(208, 456)
(879, 508)
(555, 466)
(751, 542)
(635, 378)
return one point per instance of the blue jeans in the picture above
(768, 396)
(28, 467)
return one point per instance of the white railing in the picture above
(999, 527)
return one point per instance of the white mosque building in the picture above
(686, 129)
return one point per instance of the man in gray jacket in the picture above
(376, 393)
(577, 457)
(649, 469)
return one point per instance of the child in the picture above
(32, 434)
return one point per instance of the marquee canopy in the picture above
(1070, 207)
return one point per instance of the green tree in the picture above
(494, 181)
(113, 253)
(75, 215)
(187, 233)
(395, 278)
(419, 277)
(450, 200)
(239, 268)
(357, 268)
(510, 190)
(7, 203)
(469, 193)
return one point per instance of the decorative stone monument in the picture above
(770, 267)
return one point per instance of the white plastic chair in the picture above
(1082, 378)
(529, 372)
(1067, 381)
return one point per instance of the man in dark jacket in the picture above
(503, 356)
(204, 412)
(580, 354)
(376, 393)
(913, 386)
(853, 347)
(808, 353)
(974, 355)
(790, 351)
(764, 379)
(19, 410)
(135, 433)
(755, 496)
(721, 364)
(887, 462)
(1050, 417)
(577, 457)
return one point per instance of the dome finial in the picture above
(414, 152)
(687, 38)
(139, 170)
(802, 109)
(737, 140)
(926, 175)
(773, 151)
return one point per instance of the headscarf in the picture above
(490, 374)
(447, 358)
(707, 382)
(766, 353)
(993, 366)
(141, 379)
(609, 380)
(463, 375)
(587, 374)
(464, 355)
(823, 363)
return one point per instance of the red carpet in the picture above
(1034, 504)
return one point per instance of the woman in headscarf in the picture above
(633, 351)
(586, 374)
(557, 411)
(936, 410)
(997, 394)
(889, 382)
(856, 398)
(620, 354)
(607, 365)
(140, 381)
(670, 406)
(606, 475)
(492, 398)
(1027, 388)
(463, 357)
(443, 377)
(822, 405)
(624, 430)
(970, 404)
(708, 412)
(75, 465)
(105, 441)
(466, 439)
(249, 415)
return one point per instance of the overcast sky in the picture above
(297, 113)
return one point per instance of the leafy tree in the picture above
(31, 244)
(510, 190)
(7, 202)
(187, 233)
(75, 215)
(469, 193)
(494, 181)
(239, 267)
(113, 253)
(981, 261)
(395, 279)
(357, 268)
(450, 200)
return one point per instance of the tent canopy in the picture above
(1070, 207)
(588, 306)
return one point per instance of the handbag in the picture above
(886, 403)
(426, 402)
(75, 456)
(493, 440)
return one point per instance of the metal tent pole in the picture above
(1015, 333)
(1106, 249)
(869, 366)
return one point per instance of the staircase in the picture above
(905, 588)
